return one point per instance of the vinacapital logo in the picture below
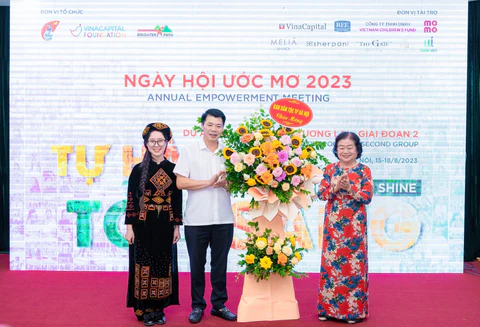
(98, 31)
(303, 27)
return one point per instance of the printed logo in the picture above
(375, 45)
(428, 45)
(327, 44)
(342, 26)
(430, 26)
(48, 29)
(303, 27)
(76, 32)
(158, 31)
(98, 31)
(283, 44)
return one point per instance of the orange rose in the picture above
(267, 177)
(246, 138)
(282, 259)
(307, 171)
(267, 148)
(272, 160)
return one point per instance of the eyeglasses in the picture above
(156, 142)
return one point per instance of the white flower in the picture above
(287, 250)
(239, 167)
(246, 177)
(261, 244)
(258, 136)
(285, 186)
(294, 261)
(313, 154)
(277, 248)
(256, 143)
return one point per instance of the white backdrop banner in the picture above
(87, 77)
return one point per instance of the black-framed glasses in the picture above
(156, 142)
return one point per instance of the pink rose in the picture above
(235, 158)
(261, 169)
(249, 159)
(269, 250)
(296, 180)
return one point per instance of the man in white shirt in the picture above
(208, 217)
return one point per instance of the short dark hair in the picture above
(217, 113)
(348, 135)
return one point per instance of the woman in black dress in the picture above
(153, 218)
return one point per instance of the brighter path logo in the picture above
(158, 31)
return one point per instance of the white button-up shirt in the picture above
(207, 206)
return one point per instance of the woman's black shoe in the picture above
(149, 319)
(160, 318)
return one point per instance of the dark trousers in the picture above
(219, 238)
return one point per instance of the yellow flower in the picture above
(309, 149)
(289, 130)
(259, 179)
(290, 169)
(251, 182)
(294, 261)
(250, 258)
(261, 243)
(242, 130)
(255, 151)
(292, 240)
(296, 141)
(266, 133)
(227, 152)
(265, 262)
(313, 154)
(277, 145)
(298, 256)
(266, 123)
(304, 154)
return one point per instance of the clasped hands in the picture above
(343, 183)
(219, 180)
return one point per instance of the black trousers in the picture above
(219, 238)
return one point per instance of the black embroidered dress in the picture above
(153, 274)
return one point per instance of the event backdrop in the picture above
(86, 77)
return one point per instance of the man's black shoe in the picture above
(196, 315)
(148, 319)
(159, 318)
(224, 313)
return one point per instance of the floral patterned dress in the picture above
(343, 290)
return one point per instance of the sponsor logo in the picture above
(327, 44)
(98, 31)
(283, 44)
(158, 31)
(303, 27)
(342, 26)
(430, 26)
(387, 27)
(76, 32)
(428, 45)
(48, 29)
(375, 45)
(397, 187)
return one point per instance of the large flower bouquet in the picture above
(267, 254)
(262, 153)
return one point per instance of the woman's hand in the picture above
(176, 234)
(344, 183)
(129, 235)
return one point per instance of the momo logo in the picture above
(430, 26)
(76, 32)
(48, 29)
